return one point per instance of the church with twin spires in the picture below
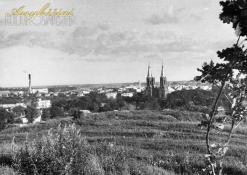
(150, 85)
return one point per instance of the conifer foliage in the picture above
(230, 75)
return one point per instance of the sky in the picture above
(112, 41)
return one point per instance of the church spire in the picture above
(163, 84)
(148, 70)
(162, 70)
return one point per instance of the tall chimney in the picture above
(29, 86)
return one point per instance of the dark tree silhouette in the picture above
(5, 118)
(233, 59)
(31, 113)
(46, 114)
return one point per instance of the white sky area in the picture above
(112, 41)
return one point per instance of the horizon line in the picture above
(81, 84)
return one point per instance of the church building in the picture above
(150, 85)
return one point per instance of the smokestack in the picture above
(29, 86)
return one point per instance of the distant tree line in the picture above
(93, 102)
(61, 88)
(192, 100)
(10, 100)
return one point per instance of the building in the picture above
(128, 94)
(170, 89)
(150, 85)
(163, 90)
(43, 104)
(112, 95)
(38, 119)
(37, 90)
(11, 106)
(4, 93)
(150, 82)
(40, 90)
(85, 112)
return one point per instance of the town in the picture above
(123, 87)
(15, 98)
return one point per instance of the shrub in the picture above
(6, 118)
(62, 151)
(65, 151)
(4, 170)
(6, 160)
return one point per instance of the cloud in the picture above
(169, 17)
(196, 17)
(25, 39)
(176, 16)
(163, 19)
(100, 42)
(56, 40)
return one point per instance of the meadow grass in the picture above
(5, 170)
(164, 141)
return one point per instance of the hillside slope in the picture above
(169, 140)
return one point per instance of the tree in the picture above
(120, 101)
(56, 111)
(232, 86)
(5, 118)
(46, 114)
(189, 98)
(152, 104)
(31, 113)
(75, 112)
(18, 110)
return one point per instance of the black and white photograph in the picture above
(123, 87)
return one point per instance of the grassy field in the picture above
(169, 141)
